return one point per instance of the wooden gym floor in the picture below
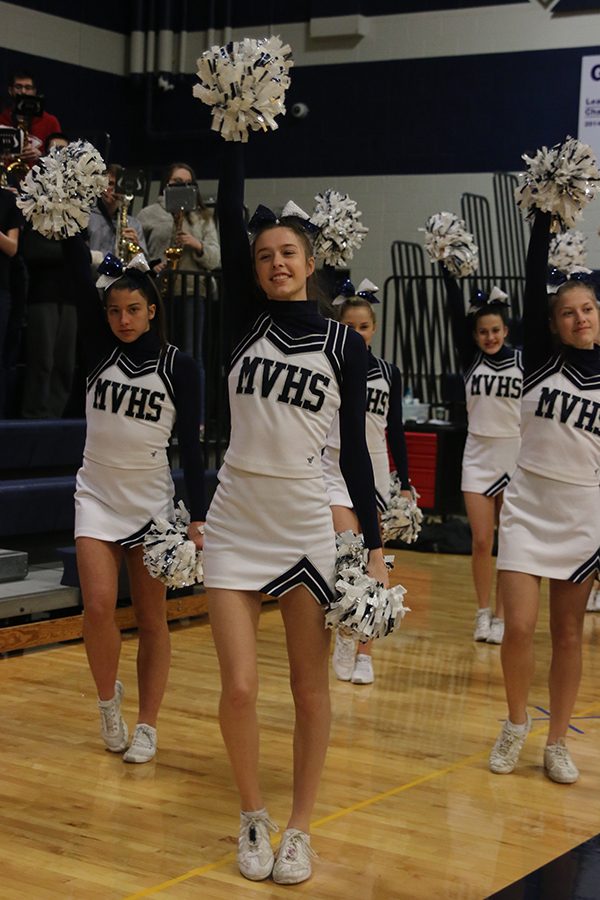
(407, 807)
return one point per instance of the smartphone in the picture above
(181, 198)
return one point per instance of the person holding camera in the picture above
(25, 110)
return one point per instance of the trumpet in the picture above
(124, 248)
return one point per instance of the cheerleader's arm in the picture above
(395, 430)
(187, 392)
(462, 331)
(538, 345)
(94, 332)
(355, 462)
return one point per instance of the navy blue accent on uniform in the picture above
(590, 567)
(292, 320)
(182, 377)
(302, 573)
(381, 504)
(135, 539)
(260, 328)
(498, 486)
(395, 424)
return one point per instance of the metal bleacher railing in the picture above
(415, 328)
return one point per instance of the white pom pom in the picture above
(560, 180)
(363, 606)
(245, 83)
(58, 193)
(169, 555)
(402, 519)
(341, 232)
(568, 251)
(448, 241)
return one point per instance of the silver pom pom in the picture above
(245, 83)
(169, 555)
(58, 193)
(448, 241)
(341, 232)
(402, 519)
(560, 180)
(568, 251)
(363, 606)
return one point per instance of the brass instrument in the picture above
(175, 249)
(124, 248)
(19, 167)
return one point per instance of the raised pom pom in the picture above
(448, 241)
(245, 84)
(567, 251)
(58, 193)
(169, 555)
(402, 519)
(363, 607)
(559, 180)
(340, 230)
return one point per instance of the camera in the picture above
(299, 110)
(28, 107)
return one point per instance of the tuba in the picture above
(124, 248)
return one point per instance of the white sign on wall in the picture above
(589, 103)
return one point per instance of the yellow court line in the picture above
(346, 811)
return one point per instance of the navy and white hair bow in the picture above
(264, 216)
(480, 299)
(111, 269)
(366, 290)
(556, 278)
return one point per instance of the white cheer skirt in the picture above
(269, 534)
(336, 486)
(488, 463)
(119, 505)
(549, 528)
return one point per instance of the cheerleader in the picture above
(269, 528)
(384, 413)
(493, 374)
(550, 522)
(138, 385)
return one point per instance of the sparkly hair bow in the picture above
(481, 299)
(111, 269)
(556, 278)
(366, 290)
(264, 216)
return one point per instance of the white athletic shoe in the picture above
(255, 854)
(293, 863)
(344, 655)
(112, 725)
(363, 670)
(496, 631)
(558, 764)
(505, 752)
(593, 603)
(483, 623)
(143, 745)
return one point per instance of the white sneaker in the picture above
(255, 854)
(112, 725)
(483, 622)
(496, 631)
(558, 764)
(363, 670)
(593, 603)
(143, 745)
(344, 655)
(293, 863)
(505, 752)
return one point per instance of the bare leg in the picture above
(234, 619)
(481, 512)
(154, 649)
(521, 593)
(308, 652)
(499, 609)
(98, 563)
(567, 611)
